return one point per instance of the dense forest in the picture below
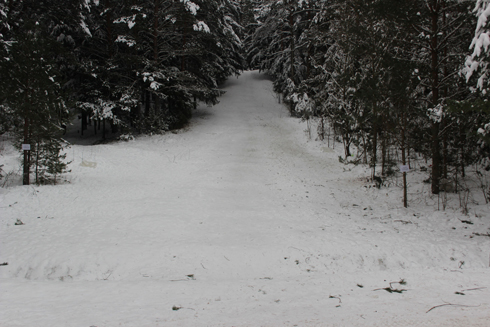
(392, 80)
(388, 76)
(131, 66)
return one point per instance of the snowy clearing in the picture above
(238, 221)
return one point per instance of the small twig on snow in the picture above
(390, 289)
(336, 297)
(109, 275)
(452, 304)
(189, 277)
(474, 289)
(470, 289)
(176, 308)
(405, 222)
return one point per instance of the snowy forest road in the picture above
(247, 173)
(237, 221)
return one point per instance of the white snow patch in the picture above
(85, 27)
(124, 39)
(190, 6)
(201, 26)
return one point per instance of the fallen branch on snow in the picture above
(470, 289)
(390, 289)
(452, 304)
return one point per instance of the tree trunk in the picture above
(346, 139)
(140, 115)
(292, 43)
(383, 154)
(103, 129)
(436, 156)
(184, 41)
(404, 160)
(291, 55)
(445, 154)
(37, 163)
(155, 29)
(108, 26)
(462, 142)
(374, 157)
(27, 153)
(147, 96)
(84, 121)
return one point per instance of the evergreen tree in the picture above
(371, 68)
(281, 45)
(477, 67)
(149, 61)
(31, 93)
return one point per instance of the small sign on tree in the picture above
(26, 147)
(404, 168)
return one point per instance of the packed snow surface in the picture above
(239, 220)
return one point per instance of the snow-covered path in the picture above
(238, 221)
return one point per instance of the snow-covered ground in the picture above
(239, 220)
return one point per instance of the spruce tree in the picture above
(31, 90)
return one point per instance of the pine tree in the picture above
(477, 70)
(35, 99)
(281, 45)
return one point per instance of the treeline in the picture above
(386, 75)
(128, 65)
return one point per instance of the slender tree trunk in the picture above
(37, 163)
(184, 40)
(346, 146)
(147, 96)
(436, 158)
(84, 121)
(462, 142)
(383, 154)
(157, 105)
(103, 129)
(27, 153)
(408, 156)
(404, 160)
(292, 46)
(445, 154)
(322, 132)
(292, 43)
(374, 157)
(436, 155)
(364, 148)
(156, 8)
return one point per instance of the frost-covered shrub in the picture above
(126, 137)
(49, 161)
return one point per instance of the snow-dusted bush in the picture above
(126, 137)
